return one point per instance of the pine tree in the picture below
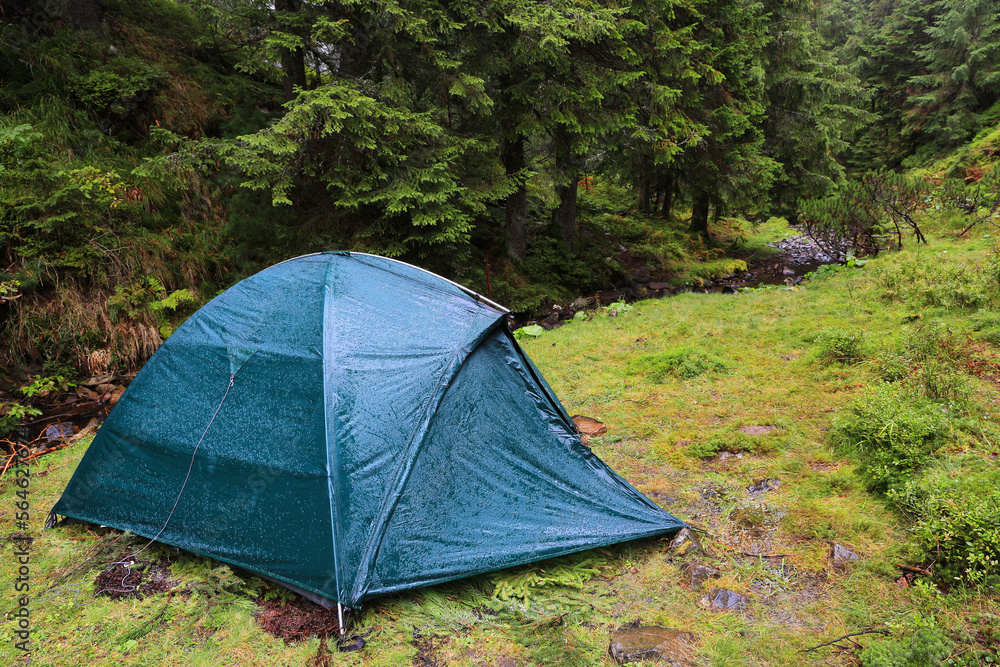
(961, 73)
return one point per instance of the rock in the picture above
(729, 289)
(86, 394)
(723, 599)
(762, 485)
(685, 542)
(115, 395)
(589, 426)
(653, 642)
(659, 286)
(608, 298)
(583, 303)
(550, 322)
(96, 380)
(841, 555)
(59, 431)
(695, 574)
(90, 429)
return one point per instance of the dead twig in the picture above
(884, 633)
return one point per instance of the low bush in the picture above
(893, 431)
(680, 362)
(839, 346)
(944, 285)
(959, 524)
(927, 646)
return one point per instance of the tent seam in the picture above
(402, 477)
(330, 440)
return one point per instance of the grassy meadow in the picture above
(869, 394)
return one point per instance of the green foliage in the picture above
(950, 285)
(528, 582)
(733, 442)
(12, 414)
(531, 331)
(866, 215)
(959, 522)
(42, 384)
(893, 431)
(681, 362)
(148, 296)
(118, 86)
(926, 646)
(841, 346)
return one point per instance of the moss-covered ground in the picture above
(702, 396)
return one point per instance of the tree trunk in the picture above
(512, 154)
(699, 213)
(293, 63)
(642, 186)
(568, 167)
(643, 194)
(668, 195)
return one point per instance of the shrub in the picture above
(952, 286)
(928, 646)
(681, 362)
(893, 431)
(836, 345)
(959, 524)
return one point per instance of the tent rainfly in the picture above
(349, 426)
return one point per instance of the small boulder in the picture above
(550, 322)
(589, 426)
(674, 648)
(763, 485)
(59, 432)
(659, 286)
(723, 599)
(841, 555)
(583, 303)
(695, 574)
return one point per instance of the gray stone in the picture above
(59, 431)
(582, 303)
(762, 485)
(695, 574)
(652, 642)
(723, 599)
(841, 555)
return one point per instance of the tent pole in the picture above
(340, 619)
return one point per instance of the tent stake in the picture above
(340, 619)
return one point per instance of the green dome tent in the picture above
(349, 426)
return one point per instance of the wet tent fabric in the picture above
(352, 426)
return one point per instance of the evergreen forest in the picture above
(154, 152)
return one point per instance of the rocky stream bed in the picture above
(797, 256)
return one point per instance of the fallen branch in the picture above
(884, 633)
(910, 568)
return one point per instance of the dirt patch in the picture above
(426, 651)
(296, 620)
(133, 579)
